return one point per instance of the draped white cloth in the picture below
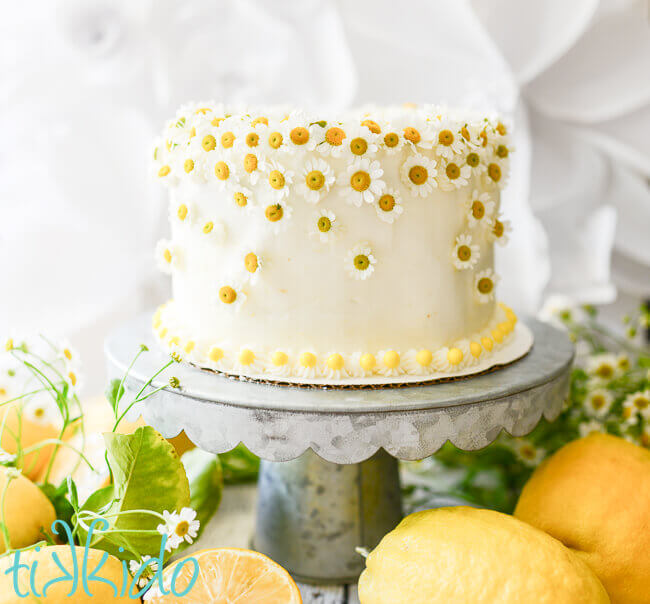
(86, 84)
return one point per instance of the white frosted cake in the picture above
(315, 247)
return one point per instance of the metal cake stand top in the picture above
(279, 422)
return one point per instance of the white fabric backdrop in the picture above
(85, 85)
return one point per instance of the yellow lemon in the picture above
(469, 556)
(58, 593)
(594, 496)
(27, 513)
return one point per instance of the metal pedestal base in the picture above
(312, 514)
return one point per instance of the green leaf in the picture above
(205, 476)
(239, 465)
(58, 496)
(114, 393)
(148, 475)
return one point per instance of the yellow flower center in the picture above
(217, 120)
(39, 412)
(167, 255)
(67, 354)
(335, 362)
(73, 378)
(215, 354)
(324, 224)
(605, 371)
(164, 171)
(182, 212)
(473, 160)
(386, 202)
(251, 262)
(182, 527)
(424, 357)
(485, 285)
(501, 129)
(478, 209)
(455, 356)
(221, 170)
(276, 179)
(464, 131)
(260, 120)
(203, 110)
(358, 146)
(299, 135)
(412, 134)
(475, 349)
(418, 175)
(372, 126)
(227, 294)
(279, 359)
(360, 181)
(246, 357)
(391, 139)
(598, 401)
(228, 139)
(487, 343)
(367, 361)
(315, 180)
(275, 140)
(641, 402)
(188, 166)
(361, 262)
(307, 359)
(250, 163)
(452, 170)
(274, 212)
(464, 253)
(207, 227)
(502, 151)
(527, 451)
(498, 228)
(391, 359)
(209, 142)
(446, 137)
(252, 139)
(484, 138)
(334, 136)
(494, 172)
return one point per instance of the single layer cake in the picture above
(310, 246)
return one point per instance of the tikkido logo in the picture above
(87, 576)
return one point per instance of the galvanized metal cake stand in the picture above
(329, 477)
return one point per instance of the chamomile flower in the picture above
(230, 294)
(278, 363)
(496, 173)
(360, 262)
(155, 592)
(41, 409)
(278, 216)
(183, 211)
(480, 210)
(334, 366)
(243, 199)
(499, 230)
(603, 366)
(528, 453)
(179, 527)
(465, 254)
(598, 402)
(447, 141)
(315, 181)
(419, 361)
(418, 131)
(223, 171)
(149, 567)
(592, 426)
(191, 165)
(214, 231)
(392, 140)
(253, 263)
(485, 285)
(307, 365)
(389, 206)
(246, 361)
(277, 140)
(325, 226)
(6, 458)
(278, 179)
(168, 256)
(254, 165)
(70, 356)
(361, 141)
(389, 363)
(332, 140)
(217, 357)
(362, 364)
(418, 173)
(252, 138)
(474, 158)
(361, 182)
(470, 132)
(638, 402)
(302, 131)
(453, 175)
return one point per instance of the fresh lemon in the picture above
(469, 556)
(594, 496)
(231, 575)
(47, 569)
(27, 513)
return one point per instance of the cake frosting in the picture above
(314, 246)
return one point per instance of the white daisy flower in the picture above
(470, 131)
(316, 179)
(603, 366)
(448, 141)
(6, 458)
(418, 173)
(638, 402)
(325, 226)
(465, 254)
(389, 363)
(592, 426)
(499, 230)
(360, 262)
(485, 285)
(453, 175)
(392, 140)
(254, 164)
(214, 230)
(496, 172)
(278, 179)
(419, 362)
(155, 592)
(334, 366)
(474, 158)
(418, 131)
(168, 257)
(307, 365)
(246, 361)
(70, 356)
(149, 567)
(230, 294)
(303, 132)
(41, 409)
(179, 527)
(278, 363)
(332, 140)
(183, 211)
(252, 138)
(598, 402)
(528, 453)
(253, 264)
(277, 140)
(389, 206)
(362, 364)
(278, 216)
(222, 170)
(191, 165)
(361, 182)
(217, 357)
(243, 199)
(480, 210)
(361, 141)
